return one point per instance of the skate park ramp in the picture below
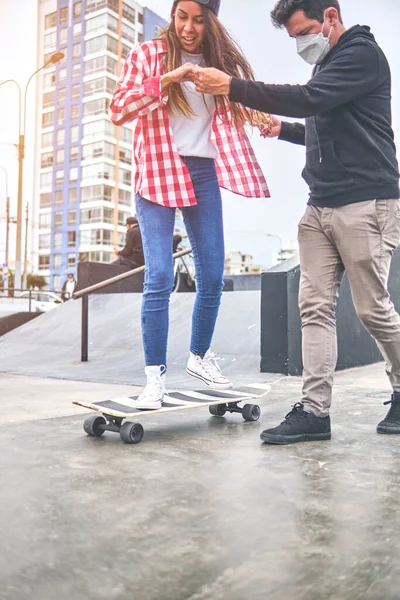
(50, 345)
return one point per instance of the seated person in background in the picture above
(131, 255)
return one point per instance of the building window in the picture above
(44, 261)
(74, 133)
(48, 119)
(59, 177)
(76, 71)
(75, 91)
(50, 20)
(98, 149)
(76, 50)
(61, 116)
(108, 215)
(99, 128)
(98, 171)
(46, 179)
(57, 261)
(75, 112)
(73, 155)
(101, 43)
(48, 99)
(77, 9)
(63, 36)
(45, 220)
(128, 32)
(140, 38)
(91, 215)
(47, 139)
(73, 174)
(128, 12)
(140, 18)
(63, 15)
(46, 160)
(125, 177)
(62, 74)
(101, 63)
(58, 218)
(44, 241)
(58, 197)
(72, 195)
(71, 260)
(60, 157)
(72, 217)
(57, 239)
(77, 29)
(61, 95)
(71, 238)
(50, 39)
(45, 200)
(49, 80)
(99, 86)
(125, 198)
(97, 192)
(56, 283)
(60, 137)
(95, 107)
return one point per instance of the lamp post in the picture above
(7, 228)
(55, 58)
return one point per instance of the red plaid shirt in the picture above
(160, 175)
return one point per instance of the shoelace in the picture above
(211, 365)
(296, 413)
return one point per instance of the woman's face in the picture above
(189, 25)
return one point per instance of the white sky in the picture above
(273, 57)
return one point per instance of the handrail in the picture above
(121, 277)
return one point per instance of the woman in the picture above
(186, 145)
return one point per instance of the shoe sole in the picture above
(213, 386)
(388, 430)
(283, 440)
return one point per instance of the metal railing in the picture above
(32, 295)
(84, 294)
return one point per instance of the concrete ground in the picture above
(200, 510)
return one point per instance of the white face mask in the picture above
(313, 47)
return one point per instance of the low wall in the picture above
(281, 328)
(10, 322)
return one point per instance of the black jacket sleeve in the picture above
(127, 250)
(293, 132)
(352, 73)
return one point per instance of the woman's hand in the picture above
(180, 75)
(272, 130)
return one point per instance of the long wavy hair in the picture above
(221, 52)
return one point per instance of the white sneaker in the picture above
(153, 394)
(208, 371)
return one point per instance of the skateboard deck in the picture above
(111, 413)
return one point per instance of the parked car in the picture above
(43, 301)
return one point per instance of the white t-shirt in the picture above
(192, 135)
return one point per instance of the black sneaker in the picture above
(299, 426)
(391, 423)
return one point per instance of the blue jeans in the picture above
(204, 226)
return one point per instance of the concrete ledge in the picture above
(10, 322)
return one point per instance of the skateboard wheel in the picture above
(251, 412)
(217, 410)
(131, 433)
(93, 425)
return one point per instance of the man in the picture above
(352, 221)
(131, 255)
(69, 287)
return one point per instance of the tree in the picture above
(36, 281)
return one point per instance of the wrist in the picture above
(165, 81)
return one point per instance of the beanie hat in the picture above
(213, 5)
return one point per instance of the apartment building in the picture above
(83, 163)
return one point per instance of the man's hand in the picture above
(274, 130)
(212, 81)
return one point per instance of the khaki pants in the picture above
(359, 239)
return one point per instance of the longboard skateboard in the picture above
(113, 413)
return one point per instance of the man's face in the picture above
(299, 25)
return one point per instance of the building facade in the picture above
(83, 163)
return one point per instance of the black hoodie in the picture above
(351, 155)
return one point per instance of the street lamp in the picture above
(271, 235)
(55, 58)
